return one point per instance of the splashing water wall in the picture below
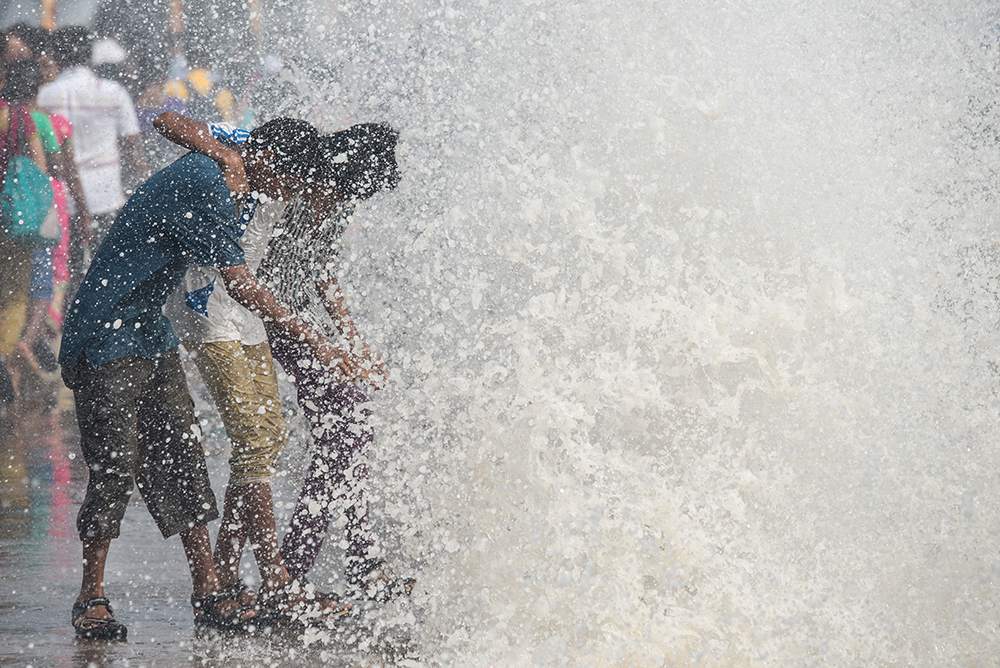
(691, 309)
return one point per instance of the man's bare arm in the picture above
(244, 287)
(135, 157)
(67, 171)
(197, 136)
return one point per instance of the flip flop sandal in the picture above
(96, 628)
(378, 591)
(298, 603)
(205, 615)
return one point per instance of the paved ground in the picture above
(41, 485)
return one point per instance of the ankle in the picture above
(228, 579)
(86, 596)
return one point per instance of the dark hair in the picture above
(360, 160)
(72, 46)
(40, 41)
(34, 38)
(22, 81)
(292, 141)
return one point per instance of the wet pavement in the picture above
(42, 482)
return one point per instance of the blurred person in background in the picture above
(159, 95)
(109, 61)
(40, 44)
(106, 136)
(23, 80)
(18, 136)
(18, 42)
(202, 88)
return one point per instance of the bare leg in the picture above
(198, 550)
(249, 513)
(232, 537)
(92, 618)
(95, 555)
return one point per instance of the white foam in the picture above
(691, 314)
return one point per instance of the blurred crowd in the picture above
(81, 109)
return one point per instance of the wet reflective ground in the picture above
(41, 486)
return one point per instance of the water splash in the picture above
(692, 317)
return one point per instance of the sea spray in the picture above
(691, 312)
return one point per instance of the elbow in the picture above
(162, 122)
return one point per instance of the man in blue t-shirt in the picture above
(119, 356)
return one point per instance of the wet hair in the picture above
(23, 79)
(72, 46)
(292, 141)
(360, 160)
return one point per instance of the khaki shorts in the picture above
(244, 386)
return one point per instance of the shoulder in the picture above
(190, 192)
(74, 77)
(61, 125)
(114, 91)
(42, 120)
(197, 170)
(73, 80)
(113, 87)
(190, 179)
(50, 91)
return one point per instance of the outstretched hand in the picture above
(362, 366)
(352, 367)
(370, 361)
(335, 358)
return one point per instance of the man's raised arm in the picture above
(197, 136)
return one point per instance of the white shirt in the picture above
(201, 310)
(101, 113)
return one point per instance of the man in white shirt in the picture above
(105, 130)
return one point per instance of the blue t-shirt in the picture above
(183, 215)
